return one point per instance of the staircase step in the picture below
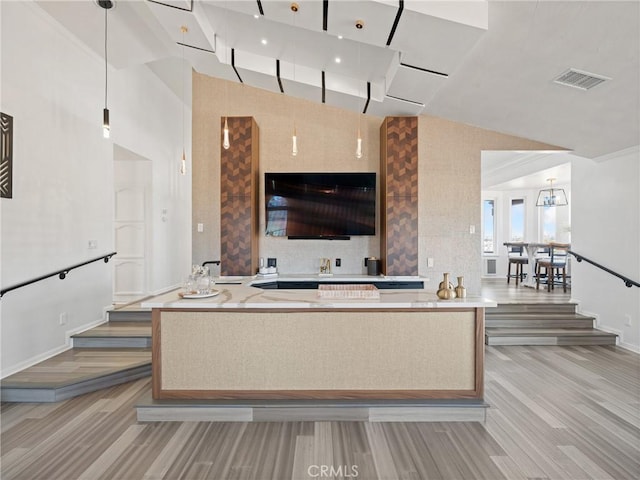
(533, 308)
(138, 315)
(116, 334)
(75, 372)
(537, 320)
(550, 336)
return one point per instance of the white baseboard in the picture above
(54, 351)
(37, 359)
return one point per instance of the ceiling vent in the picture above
(579, 79)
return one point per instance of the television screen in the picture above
(320, 205)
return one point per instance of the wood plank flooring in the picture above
(498, 289)
(556, 413)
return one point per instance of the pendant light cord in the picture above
(106, 77)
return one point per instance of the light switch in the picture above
(429, 262)
(472, 229)
(200, 227)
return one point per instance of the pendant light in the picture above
(106, 128)
(294, 138)
(183, 161)
(359, 139)
(225, 140)
(552, 197)
(225, 130)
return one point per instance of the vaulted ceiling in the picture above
(489, 64)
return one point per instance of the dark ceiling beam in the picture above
(233, 64)
(366, 105)
(325, 14)
(413, 102)
(278, 75)
(433, 72)
(395, 22)
(196, 48)
(190, 9)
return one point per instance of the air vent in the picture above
(579, 79)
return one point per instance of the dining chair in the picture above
(516, 258)
(554, 266)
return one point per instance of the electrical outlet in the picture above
(472, 229)
(430, 262)
(64, 316)
(200, 227)
(272, 262)
(338, 262)
(627, 320)
(93, 244)
(366, 261)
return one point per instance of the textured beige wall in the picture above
(449, 171)
(318, 350)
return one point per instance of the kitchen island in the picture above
(254, 344)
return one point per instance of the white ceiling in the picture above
(509, 170)
(499, 57)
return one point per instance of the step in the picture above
(537, 320)
(118, 334)
(138, 315)
(550, 336)
(75, 372)
(310, 410)
(532, 308)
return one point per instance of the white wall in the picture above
(63, 180)
(606, 229)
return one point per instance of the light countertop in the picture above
(238, 292)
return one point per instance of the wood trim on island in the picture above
(208, 341)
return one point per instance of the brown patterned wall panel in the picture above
(236, 236)
(399, 195)
(402, 236)
(402, 156)
(236, 162)
(239, 198)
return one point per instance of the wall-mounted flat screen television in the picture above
(320, 205)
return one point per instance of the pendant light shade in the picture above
(359, 145)
(552, 197)
(225, 139)
(294, 143)
(105, 123)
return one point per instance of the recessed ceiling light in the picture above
(338, 60)
(263, 41)
(256, 16)
(339, 37)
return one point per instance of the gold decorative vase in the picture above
(461, 291)
(446, 290)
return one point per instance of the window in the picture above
(517, 219)
(488, 226)
(549, 224)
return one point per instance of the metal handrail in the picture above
(60, 273)
(627, 281)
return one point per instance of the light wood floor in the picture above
(498, 289)
(556, 413)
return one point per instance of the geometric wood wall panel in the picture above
(402, 236)
(399, 195)
(6, 155)
(239, 185)
(235, 165)
(402, 156)
(235, 249)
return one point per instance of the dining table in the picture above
(532, 249)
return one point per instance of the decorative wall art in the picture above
(6, 158)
